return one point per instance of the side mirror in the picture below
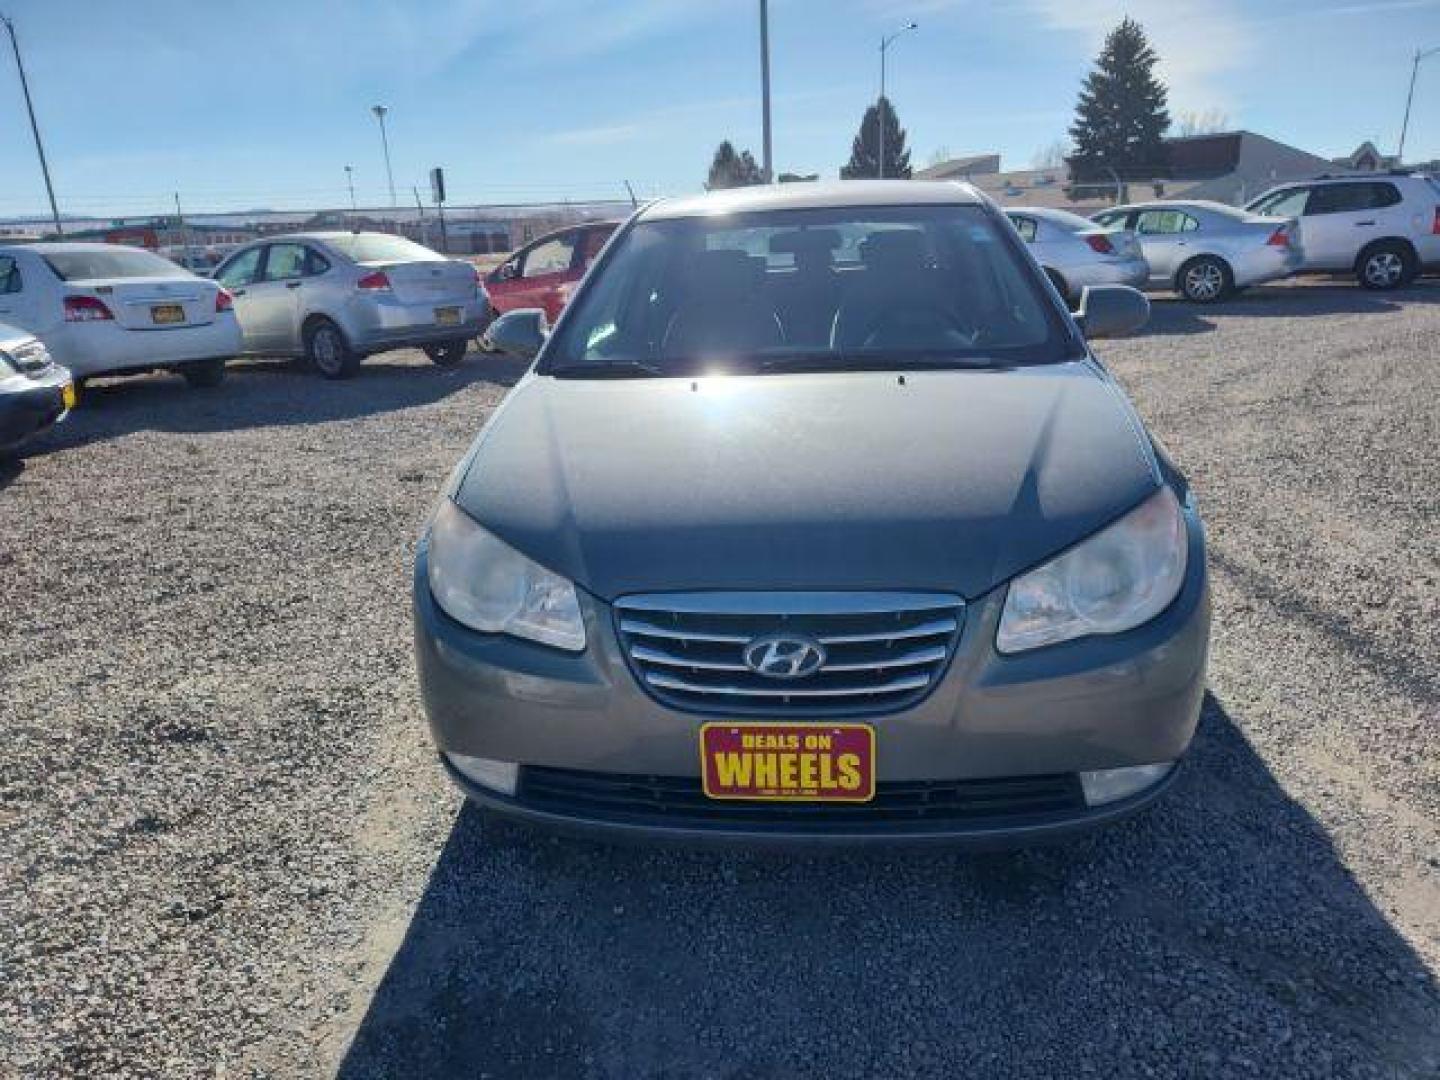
(1108, 311)
(519, 333)
(505, 271)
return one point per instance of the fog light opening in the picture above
(1102, 786)
(498, 776)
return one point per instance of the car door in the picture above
(239, 275)
(1166, 239)
(545, 272)
(1339, 220)
(275, 298)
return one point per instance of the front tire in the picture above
(1205, 280)
(1385, 266)
(201, 374)
(449, 354)
(328, 351)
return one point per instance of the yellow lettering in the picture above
(787, 771)
(849, 771)
(807, 770)
(765, 771)
(733, 769)
(827, 772)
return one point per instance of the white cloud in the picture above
(600, 135)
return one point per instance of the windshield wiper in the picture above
(608, 369)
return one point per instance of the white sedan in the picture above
(103, 308)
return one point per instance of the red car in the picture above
(545, 272)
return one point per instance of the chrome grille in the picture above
(882, 651)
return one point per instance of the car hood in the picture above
(941, 480)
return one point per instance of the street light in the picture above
(380, 111)
(885, 43)
(34, 127)
(765, 91)
(1420, 54)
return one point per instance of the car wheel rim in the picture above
(1384, 268)
(327, 351)
(1203, 282)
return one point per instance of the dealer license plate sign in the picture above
(788, 762)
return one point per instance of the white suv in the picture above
(1384, 228)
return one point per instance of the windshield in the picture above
(379, 247)
(846, 288)
(119, 263)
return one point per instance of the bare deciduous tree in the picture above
(1204, 122)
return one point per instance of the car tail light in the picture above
(85, 309)
(1100, 244)
(224, 301)
(374, 282)
(1280, 237)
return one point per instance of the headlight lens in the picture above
(489, 586)
(1123, 576)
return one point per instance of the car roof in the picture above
(46, 247)
(1048, 213)
(815, 195)
(1176, 204)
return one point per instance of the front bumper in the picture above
(30, 406)
(1097, 703)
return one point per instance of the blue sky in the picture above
(262, 103)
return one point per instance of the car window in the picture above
(9, 275)
(122, 262)
(381, 247)
(1025, 226)
(552, 256)
(315, 263)
(1287, 203)
(1347, 198)
(286, 262)
(1111, 218)
(1164, 222)
(594, 241)
(838, 288)
(240, 270)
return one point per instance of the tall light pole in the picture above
(1420, 54)
(885, 43)
(766, 162)
(350, 183)
(380, 111)
(34, 127)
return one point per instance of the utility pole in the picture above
(380, 111)
(767, 164)
(420, 208)
(350, 182)
(1420, 54)
(184, 229)
(34, 127)
(885, 43)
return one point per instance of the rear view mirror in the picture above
(519, 333)
(1108, 311)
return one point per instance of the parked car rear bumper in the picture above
(95, 348)
(376, 324)
(1133, 272)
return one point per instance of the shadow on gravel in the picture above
(1170, 315)
(1218, 934)
(263, 393)
(10, 470)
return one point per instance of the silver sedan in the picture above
(1207, 250)
(337, 297)
(1075, 252)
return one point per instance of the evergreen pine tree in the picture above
(1120, 118)
(730, 169)
(865, 152)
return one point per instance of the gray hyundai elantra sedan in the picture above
(815, 520)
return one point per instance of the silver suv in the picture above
(1382, 228)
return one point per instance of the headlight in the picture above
(489, 586)
(1124, 575)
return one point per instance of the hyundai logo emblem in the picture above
(780, 656)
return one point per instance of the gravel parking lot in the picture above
(228, 849)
